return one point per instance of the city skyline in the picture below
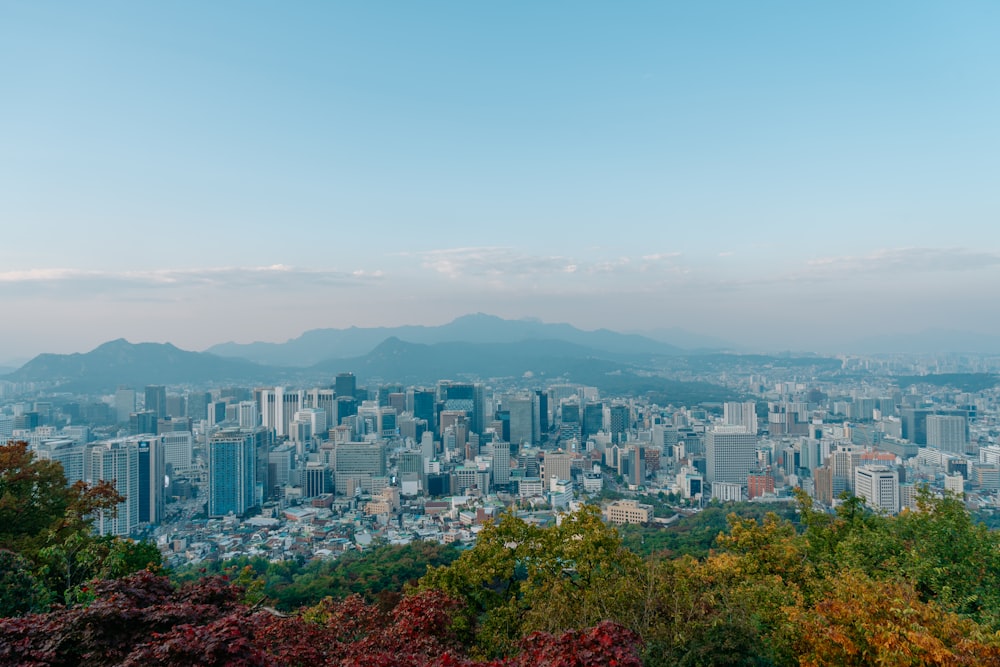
(782, 176)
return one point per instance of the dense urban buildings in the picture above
(434, 462)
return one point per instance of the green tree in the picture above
(521, 578)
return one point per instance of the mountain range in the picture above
(319, 345)
(120, 362)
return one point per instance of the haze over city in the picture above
(777, 174)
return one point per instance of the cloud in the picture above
(897, 260)
(79, 281)
(498, 262)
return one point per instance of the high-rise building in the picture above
(70, 454)
(558, 465)
(278, 407)
(249, 414)
(142, 422)
(117, 462)
(619, 423)
(730, 454)
(346, 385)
(197, 405)
(501, 463)
(366, 458)
(593, 420)
(879, 486)
(152, 477)
(466, 397)
(177, 450)
(232, 472)
(124, 404)
(280, 464)
(521, 414)
(740, 414)
(947, 433)
(915, 424)
(542, 403)
(156, 400)
(423, 406)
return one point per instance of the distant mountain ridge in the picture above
(928, 341)
(120, 362)
(318, 345)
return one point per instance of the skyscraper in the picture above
(232, 462)
(467, 397)
(346, 385)
(156, 400)
(152, 475)
(730, 454)
(117, 462)
(947, 433)
(740, 414)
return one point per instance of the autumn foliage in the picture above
(143, 620)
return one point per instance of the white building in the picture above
(879, 486)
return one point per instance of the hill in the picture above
(318, 345)
(120, 362)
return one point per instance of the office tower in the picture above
(117, 462)
(569, 423)
(216, 412)
(521, 415)
(156, 400)
(428, 449)
(634, 468)
(947, 433)
(730, 454)
(197, 405)
(558, 465)
(501, 463)
(542, 403)
(124, 404)
(593, 420)
(278, 407)
(315, 418)
(740, 414)
(232, 473)
(466, 397)
(316, 479)
(879, 486)
(142, 422)
(397, 401)
(345, 385)
(843, 462)
(70, 454)
(177, 450)
(176, 406)
(152, 477)
(249, 414)
(915, 424)
(364, 458)
(347, 407)
(325, 400)
(280, 464)
(423, 406)
(619, 420)
(387, 422)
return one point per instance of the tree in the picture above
(862, 621)
(49, 525)
(521, 578)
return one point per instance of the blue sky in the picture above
(779, 173)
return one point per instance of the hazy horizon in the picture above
(783, 176)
